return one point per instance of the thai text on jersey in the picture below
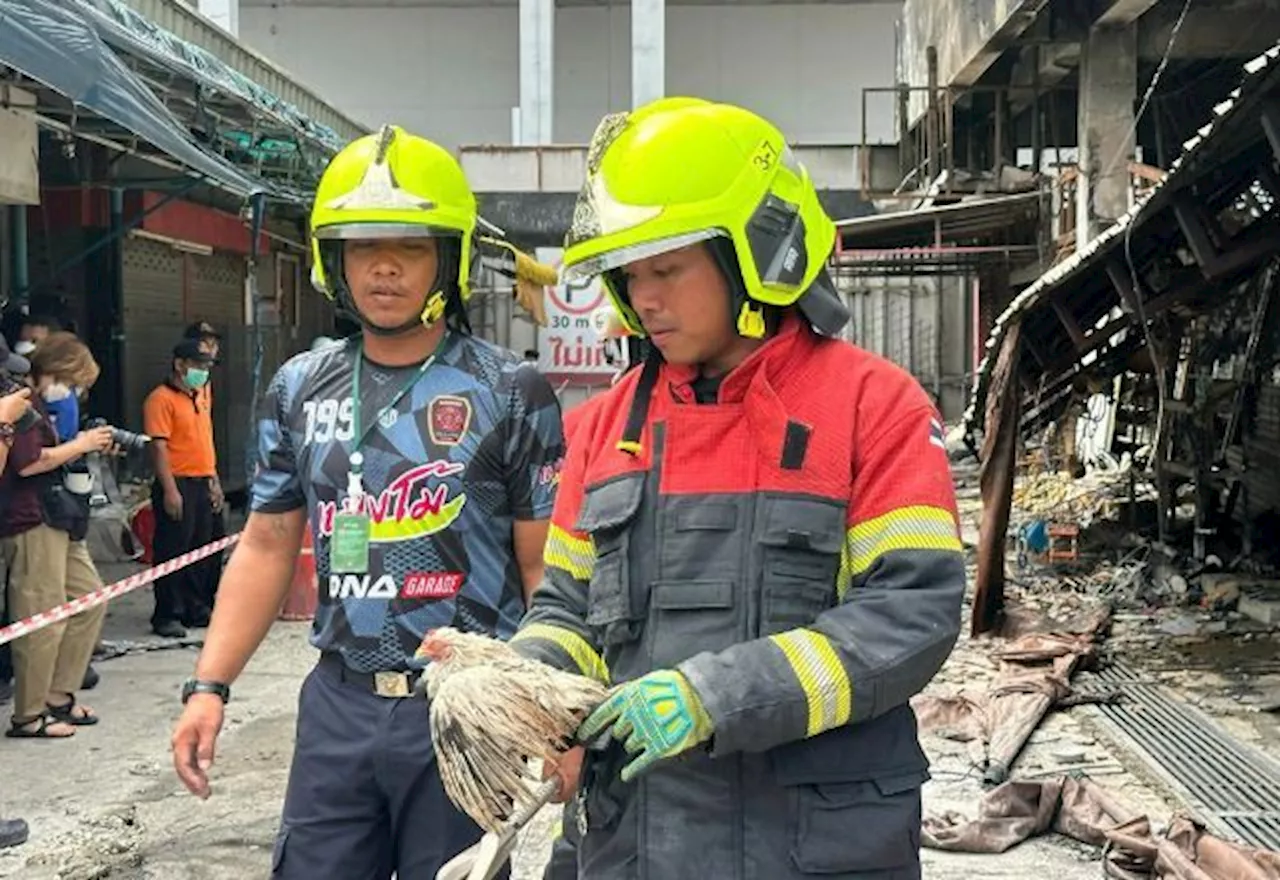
(394, 185)
(680, 171)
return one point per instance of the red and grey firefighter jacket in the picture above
(792, 548)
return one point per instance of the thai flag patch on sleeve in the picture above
(937, 436)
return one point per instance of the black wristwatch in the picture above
(199, 686)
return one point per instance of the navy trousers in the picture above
(563, 863)
(365, 799)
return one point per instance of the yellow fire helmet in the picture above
(679, 171)
(394, 185)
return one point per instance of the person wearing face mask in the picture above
(62, 404)
(211, 344)
(13, 406)
(62, 407)
(44, 516)
(186, 492)
(15, 414)
(32, 331)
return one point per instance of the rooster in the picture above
(492, 711)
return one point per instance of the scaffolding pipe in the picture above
(931, 123)
(258, 210)
(113, 340)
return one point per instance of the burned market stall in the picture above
(1153, 352)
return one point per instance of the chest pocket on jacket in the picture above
(609, 513)
(801, 540)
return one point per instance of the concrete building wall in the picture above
(452, 73)
(963, 33)
(19, 150)
(562, 168)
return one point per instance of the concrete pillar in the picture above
(224, 13)
(537, 70)
(648, 50)
(1108, 93)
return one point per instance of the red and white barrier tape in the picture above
(112, 591)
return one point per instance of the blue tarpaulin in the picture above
(56, 43)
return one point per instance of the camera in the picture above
(126, 440)
(30, 418)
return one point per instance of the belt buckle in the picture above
(391, 684)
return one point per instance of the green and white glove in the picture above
(657, 716)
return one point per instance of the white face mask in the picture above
(57, 391)
(24, 347)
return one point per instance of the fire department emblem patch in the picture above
(448, 418)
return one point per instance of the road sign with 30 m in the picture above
(569, 350)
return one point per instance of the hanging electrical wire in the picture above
(1135, 281)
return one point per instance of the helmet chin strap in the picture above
(347, 302)
(746, 314)
(431, 309)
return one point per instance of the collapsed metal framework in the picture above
(951, 238)
(1123, 303)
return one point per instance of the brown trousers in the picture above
(46, 569)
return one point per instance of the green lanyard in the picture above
(357, 457)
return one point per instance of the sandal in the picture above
(67, 713)
(22, 730)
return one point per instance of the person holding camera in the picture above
(186, 493)
(44, 516)
(13, 408)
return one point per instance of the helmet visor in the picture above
(357, 231)
(619, 257)
(597, 213)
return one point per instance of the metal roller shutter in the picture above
(152, 320)
(216, 294)
(164, 291)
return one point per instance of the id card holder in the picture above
(349, 547)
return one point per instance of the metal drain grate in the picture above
(1232, 787)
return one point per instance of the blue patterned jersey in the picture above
(474, 445)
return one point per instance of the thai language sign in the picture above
(569, 348)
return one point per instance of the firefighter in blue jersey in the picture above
(424, 462)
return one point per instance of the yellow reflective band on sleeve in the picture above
(557, 829)
(844, 577)
(588, 661)
(908, 528)
(822, 677)
(569, 553)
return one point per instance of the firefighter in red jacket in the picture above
(755, 536)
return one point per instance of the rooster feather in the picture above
(492, 711)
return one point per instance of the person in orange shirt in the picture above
(211, 344)
(186, 491)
